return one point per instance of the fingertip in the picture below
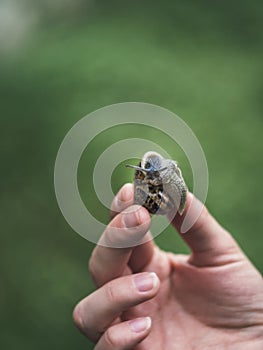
(156, 281)
(147, 283)
(77, 318)
(135, 216)
(131, 217)
(126, 192)
(122, 200)
(127, 229)
(141, 324)
(144, 215)
(126, 335)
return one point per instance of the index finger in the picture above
(107, 262)
(124, 231)
(141, 254)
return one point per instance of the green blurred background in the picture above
(61, 60)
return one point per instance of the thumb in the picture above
(210, 243)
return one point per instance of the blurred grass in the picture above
(200, 59)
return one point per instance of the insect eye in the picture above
(147, 165)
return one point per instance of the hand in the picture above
(148, 299)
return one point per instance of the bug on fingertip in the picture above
(159, 185)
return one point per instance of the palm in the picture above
(193, 301)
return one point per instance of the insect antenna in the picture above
(136, 167)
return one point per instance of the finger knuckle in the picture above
(111, 293)
(111, 339)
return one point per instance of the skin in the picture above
(211, 299)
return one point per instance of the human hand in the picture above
(151, 299)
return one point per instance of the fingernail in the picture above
(131, 219)
(121, 201)
(140, 324)
(146, 282)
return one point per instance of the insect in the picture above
(159, 185)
